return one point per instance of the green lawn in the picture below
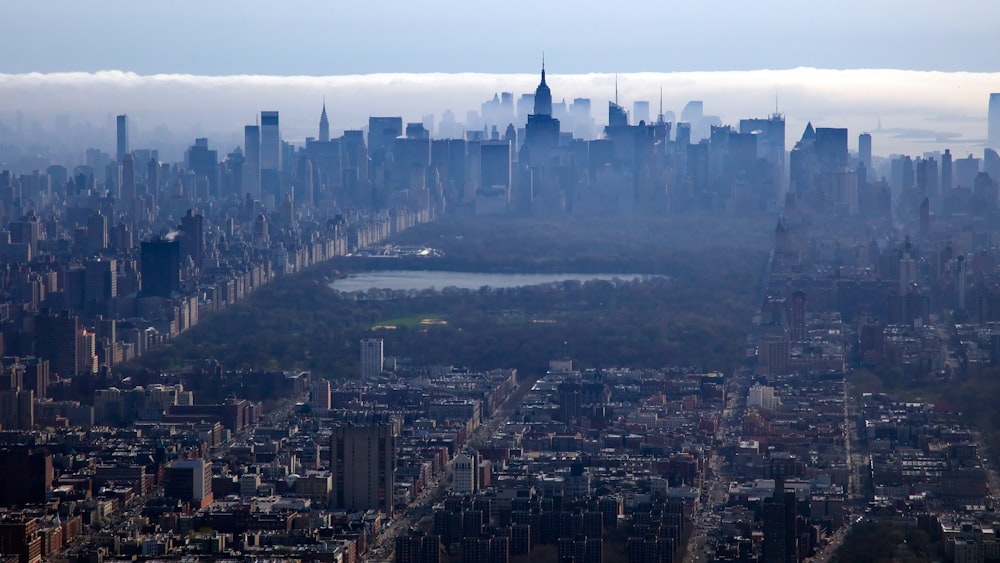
(412, 321)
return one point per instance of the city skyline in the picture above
(918, 111)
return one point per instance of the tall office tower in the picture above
(363, 462)
(251, 162)
(640, 112)
(122, 125)
(127, 190)
(189, 480)
(27, 477)
(780, 537)
(17, 409)
(991, 163)
(617, 116)
(55, 341)
(86, 352)
(319, 395)
(770, 133)
(543, 96)
(192, 236)
(495, 165)
(865, 154)
(907, 273)
(270, 141)
(324, 126)
(831, 148)
(261, 236)
(153, 177)
(541, 133)
(993, 135)
(160, 267)
(371, 358)
(463, 474)
(947, 181)
(97, 232)
(382, 133)
(100, 284)
(27, 231)
(797, 316)
(205, 164)
(693, 112)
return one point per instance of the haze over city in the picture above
(528, 282)
(918, 110)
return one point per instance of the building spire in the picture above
(616, 88)
(543, 67)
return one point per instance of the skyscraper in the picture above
(543, 96)
(192, 236)
(947, 181)
(251, 162)
(780, 538)
(993, 134)
(324, 125)
(270, 141)
(122, 126)
(371, 358)
(363, 460)
(270, 155)
(160, 266)
(865, 154)
(55, 341)
(189, 480)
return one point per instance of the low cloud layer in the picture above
(918, 111)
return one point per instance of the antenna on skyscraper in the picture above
(616, 88)
(661, 102)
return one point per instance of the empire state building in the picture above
(541, 134)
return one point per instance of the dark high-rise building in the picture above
(204, 162)
(270, 141)
(495, 167)
(865, 155)
(617, 116)
(780, 537)
(993, 134)
(55, 341)
(363, 460)
(797, 316)
(382, 134)
(122, 129)
(25, 477)
(192, 236)
(251, 162)
(189, 480)
(542, 130)
(543, 96)
(27, 231)
(97, 233)
(831, 147)
(324, 126)
(100, 284)
(947, 180)
(160, 266)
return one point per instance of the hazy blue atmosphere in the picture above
(918, 111)
(321, 38)
(448, 281)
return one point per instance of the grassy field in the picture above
(411, 321)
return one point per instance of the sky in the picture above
(186, 68)
(323, 37)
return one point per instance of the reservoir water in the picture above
(427, 279)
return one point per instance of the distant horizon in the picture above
(919, 111)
